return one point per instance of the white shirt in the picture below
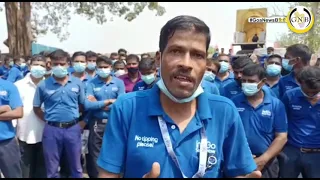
(29, 127)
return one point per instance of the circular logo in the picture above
(300, 19)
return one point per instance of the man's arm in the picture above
(37, 101)
(13, 114)
(4, 108)
(106, 174)
(90, 102)
(15, 103)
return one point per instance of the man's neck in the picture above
(180, 113)
(90, 72)
(35, 80)
(256, 99)
(272, 80)
(62, 81)
(106, 80)
(79, 74)
(223, 76)
(133, 75)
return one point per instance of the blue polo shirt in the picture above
(9, 95)
(275, 89)
(222, 84)
(61, 102)
(135, 129)
(286, 83)
(102, 91)
(86, 79)
(15, 74)
(4, 71)
(210, 87)
(141, 85)
(303, 120)
(261, 123)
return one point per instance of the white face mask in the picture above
(119, 72)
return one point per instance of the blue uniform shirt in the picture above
(210, 87)
(9, 95)
(15, 74)
(275, 89)
(222, 84)
(4, 71)
(102, 91)
(261, 123)
(133, 142)
(141, 85)
(61, 102)
(303, 120)
(286, 83)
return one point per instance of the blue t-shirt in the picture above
(141, 85)
(261, 123)
(286, 83)
(9, 95)
(210, 87)
(61, 102)
(15, 74)
(133, 142)
(303, 120)
(222, 84)
(4, 71)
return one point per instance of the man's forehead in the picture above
(188, 39)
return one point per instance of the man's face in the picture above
(184, 63)
(123, 58)
(132, 63)
(252, 79)
(48, 64)
(296, 61)
(238, 74)
(310, 92)
(119, 67)
(79, 59)
(269, 52)
(276, 61)
(103, 65)
(114, 57)
(20, 61)
(91, 59)
(60, 62)
(147, 71)
(213, 68)
(224, 59)
(39, 63)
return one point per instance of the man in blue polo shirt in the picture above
(264, 120)
(234, 88)
(148, 70)
(208, 83)
(224, 76)
(61, 95)
(302, 152)
(273, 69)
(10, 108)
(16, 72)
(102, 91)
(4, 69)
(297, 56)
(175, 129)
(91, 58)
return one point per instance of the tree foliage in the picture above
(57, 15)
(311, 38)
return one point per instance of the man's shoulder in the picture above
(230, 84)
(123, 76)
(221, 102)
(293, 92)
(6, 83)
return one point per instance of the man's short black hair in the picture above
(241, 62)
(302, 51)
(147, 64)
(254, 69)
(8, 57)
(38, 57)
(104, 59)
(90, 54)
(59, 55)
(310, 76)
(78, 53)
(274, 56)
(113, 54)
(45, 53)
(270, 49)
(122, 50)
(185, 22)
(133, 56)
(119, 62)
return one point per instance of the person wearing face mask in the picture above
(175, 129)
(61, 95)
(209, 76)
(133, 76)
(233, 88)
(114, 57)
(5, 68)
(297, 56)
(119, 68)
(30, 127)
(302, 152)
(101, 93)
(91, 58)
(147, 68)
(16, 72)
(264, 119)
(224, 76)
(273, 70)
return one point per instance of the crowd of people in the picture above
(177, 114)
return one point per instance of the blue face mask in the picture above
(286, 65)
(60, 71)
(11, 63)
(92, 66)
(79, 67)
(209, 76)
(250, 89)
(224, 67)
(103, 73)
(148, 79)
(164, 89)
(273, 69)
(38, 71)
(23, 65)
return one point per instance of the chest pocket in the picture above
(4, 97)
(73, 92)
(297, 111)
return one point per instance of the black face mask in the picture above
(133, 70)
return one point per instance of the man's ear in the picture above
(157, 58)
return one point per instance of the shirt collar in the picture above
(102, 82)
(266, 98)
(53, 80)
(155, 108)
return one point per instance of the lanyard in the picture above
(168, 144)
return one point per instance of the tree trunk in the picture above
(18, 15)
(311, 40)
